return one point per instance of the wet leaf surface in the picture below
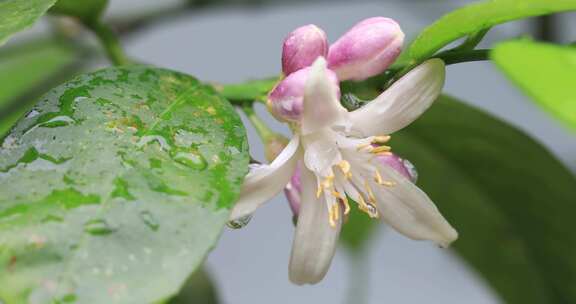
(115, 186)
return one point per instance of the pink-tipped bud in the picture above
(402, 166)
(367, 49)
(302, 46)
(285, 101)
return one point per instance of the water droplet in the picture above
(58, 121)
(192, 160)
(149, 219)
(32, 113)
(98, 227)
(372, 211)
(411, 170)
(52, 218)
(239, 223)
(154, 138)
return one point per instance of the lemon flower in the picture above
(339, 151)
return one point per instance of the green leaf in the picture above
(27, 65)
(198, 289)
(512, 202)
(16, 15)
(546, 72)
(476, 17)
(85, 10)
(115, 187)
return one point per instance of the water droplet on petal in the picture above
(372, 211)
(149, 219)
(98, 227)
(411, 170)
(239, 223)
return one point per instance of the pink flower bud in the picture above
(402, 166)
(285, 101)
(302, 46)
(367, 49)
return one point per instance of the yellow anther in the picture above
(385, 153)
(381, 139)
(343, 199)
(363, 146)
(345, 167)
(328, 181)
(336, 208)
(333, 215)
(319, 191)
(388, 183)
(378, 177)
(380, 149)
(346, 205)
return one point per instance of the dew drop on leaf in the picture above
(149, 219)
(239, 223)
(98, 227)
(190, 159)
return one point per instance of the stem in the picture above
(452, 57)
(110, 42)
(472, 40)
(449, 57)
(546, 28)
(261, 128)
(358, 278)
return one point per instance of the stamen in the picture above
(371, 197)
(385, 153)
(345, 167)
(381, 139)
(343, 199)
(380, 149)
(334, 215)
(328, 181)
(319, 191)
(388, 183)
(363, 146)
(378, 177)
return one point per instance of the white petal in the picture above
(314, 240)
(409, 210)
(321, 105)
(403, 102)
(262, 183)
(321, 152)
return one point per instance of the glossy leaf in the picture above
(476, 17)
(115, 186)
(25, 66)
(512, 202)
(86, 10)
(16, 15)
(546, 72)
